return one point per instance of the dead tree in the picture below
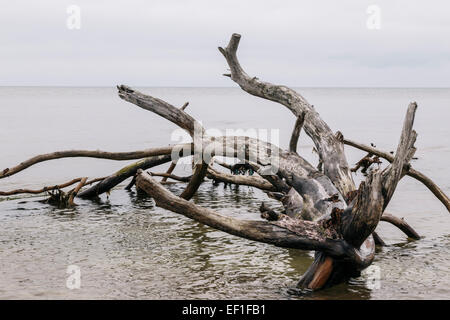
(323, 209)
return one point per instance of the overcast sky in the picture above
(174, 43)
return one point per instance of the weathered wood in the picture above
(171, 176)
(169, 171)
(288, 233)
(374, 194)
(113, 180)
(37, 191)
(161, 108)
(378, 240)
(173, 164)
(253, 181)
(296, 170)
(223, 164)
(401, 224)
(49, 188)
(296, 133)
(73, 193)
(409, 171)
(131, 184)
(181, 119)
(200, 171)
(132, 155)
(328, 145)
(323, 211)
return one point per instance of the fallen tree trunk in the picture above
(323, 209)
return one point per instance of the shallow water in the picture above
(127, 248)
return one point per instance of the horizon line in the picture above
(218, 87)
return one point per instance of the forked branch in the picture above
(328, 145)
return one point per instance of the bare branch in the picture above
(375, 193)
(169, 171)
(401, 224)
(296, 133)
(303, 176)
(329, 146)
(196, 180)
(132, 155)
(181, 119)
(223, 164)
(44, 189)
(131, 184)
(110, 182)
(74, 192)
(171, 176)
(408, 170)
(405, 151)
(184, 106)
(378, 240)
(50, 188)
(160, 107)
(253, 181)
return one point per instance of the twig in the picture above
(171, 176)
(74, 193)
(296, 132)
(169, 171)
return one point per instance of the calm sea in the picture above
(125, 247)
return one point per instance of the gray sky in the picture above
(174, 43)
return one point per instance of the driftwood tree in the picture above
(323, 209)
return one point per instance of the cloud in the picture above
(174, 43)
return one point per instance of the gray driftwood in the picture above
(323, 209)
